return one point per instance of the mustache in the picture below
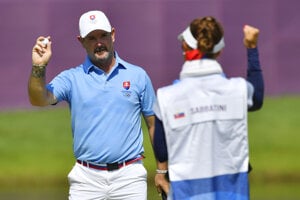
(99, 49)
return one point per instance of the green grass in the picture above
(36, 149)
(274, 135)
(35, 146)
(274, 138)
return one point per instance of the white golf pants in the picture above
(126, 183)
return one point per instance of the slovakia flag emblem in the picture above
(179, 115)
(126, 85)
(92, 17)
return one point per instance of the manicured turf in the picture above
(36, 149)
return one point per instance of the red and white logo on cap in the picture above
(92, 17)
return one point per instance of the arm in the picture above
(38, 94)
(160, 180)
(159, 142)
(254, 72)
(150, 125)
(161, 153)
(255, 77)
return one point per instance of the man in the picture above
(106, 97)
(200, 136)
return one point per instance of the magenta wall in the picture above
(146, 34)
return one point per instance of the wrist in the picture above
(161, 171)
(39, 66)
(38, 71)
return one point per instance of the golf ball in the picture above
(45, 41)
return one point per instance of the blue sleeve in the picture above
(147, 97)
(60, 86)
(159, 142)
(255, 77)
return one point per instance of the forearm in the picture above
(255, 77)
(253, 59)
(159, 142)
(38, 94)
(150, 125)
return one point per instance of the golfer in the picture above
(107, 97)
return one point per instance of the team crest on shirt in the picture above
(126, 86)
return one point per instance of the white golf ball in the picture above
(45, 41)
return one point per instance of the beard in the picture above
(101, 56)
(100, 49)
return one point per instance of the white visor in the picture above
(218, 47)
(187, 36)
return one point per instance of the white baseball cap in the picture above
(93, 20)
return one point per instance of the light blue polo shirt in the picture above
(106, 109)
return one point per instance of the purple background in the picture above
(146, 34)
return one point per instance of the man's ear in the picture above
(80, 39)
(113, 33)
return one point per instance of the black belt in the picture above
(109, 166)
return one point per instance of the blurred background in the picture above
(146, 35)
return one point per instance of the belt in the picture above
(109, 166)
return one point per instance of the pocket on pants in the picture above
(139, 170)
(143, 170)
(71, 175)
(75, 176)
